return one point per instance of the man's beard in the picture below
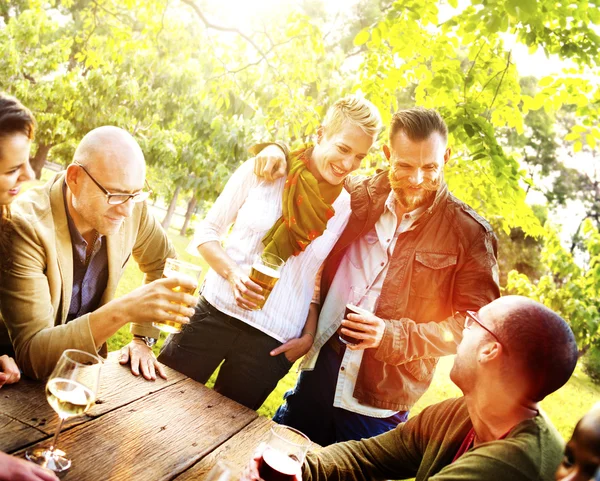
(411, 200)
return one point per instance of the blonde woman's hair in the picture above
(355, 110)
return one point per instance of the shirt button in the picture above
(342, 368)
(382, 264)
(387, 240)
(406, 216)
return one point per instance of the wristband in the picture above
(149, 341)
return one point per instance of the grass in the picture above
(565, 407)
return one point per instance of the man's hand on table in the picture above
(142, 357)
(250, 473)
(270, 163)
(9, 372)
(15, 469)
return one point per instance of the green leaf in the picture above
(469, 130)
(376, 35)
(591, 141)
(529, 7)
(362, 37)
(546, 81)
(511, 7)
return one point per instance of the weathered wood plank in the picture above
(156, 437)
(14, 434)
(26, 400)
(235, 452)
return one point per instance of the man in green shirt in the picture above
(514, 352)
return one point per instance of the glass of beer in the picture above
(361, 302)
(71, 390)
(284, 454)
(266, 271)
(181, 269)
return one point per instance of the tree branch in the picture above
(208, 24)
(118, 16)
(469, 72)
(499, 84)
(162, 25)
(252, 64)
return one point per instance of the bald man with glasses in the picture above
(72, 239)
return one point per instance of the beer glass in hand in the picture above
(283, 455)
(181, 269)
(266, 271)
(361, 302)
(71, 390)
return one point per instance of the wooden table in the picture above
(138, 429)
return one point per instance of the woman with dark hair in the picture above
(17, 127)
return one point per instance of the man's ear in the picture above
(489, 352)
(447, 155)
(387, 152)
(72, 178)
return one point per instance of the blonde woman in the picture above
(298, 218)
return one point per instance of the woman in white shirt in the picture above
(298, 217)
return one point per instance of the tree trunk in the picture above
(39, 159)
(167, 220)
(188, 215)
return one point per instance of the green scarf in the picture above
(306, 208)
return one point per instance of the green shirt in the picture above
(425, 446)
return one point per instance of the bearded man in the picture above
(428, 256)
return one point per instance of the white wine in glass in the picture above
(71, 390)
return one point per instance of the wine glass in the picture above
(284, 454)
(71, 390)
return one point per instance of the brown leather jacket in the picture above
(444, 265)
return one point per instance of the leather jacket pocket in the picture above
(431, 274)
(421, 369)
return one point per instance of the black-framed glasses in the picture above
(472, 317)
(118, 199)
